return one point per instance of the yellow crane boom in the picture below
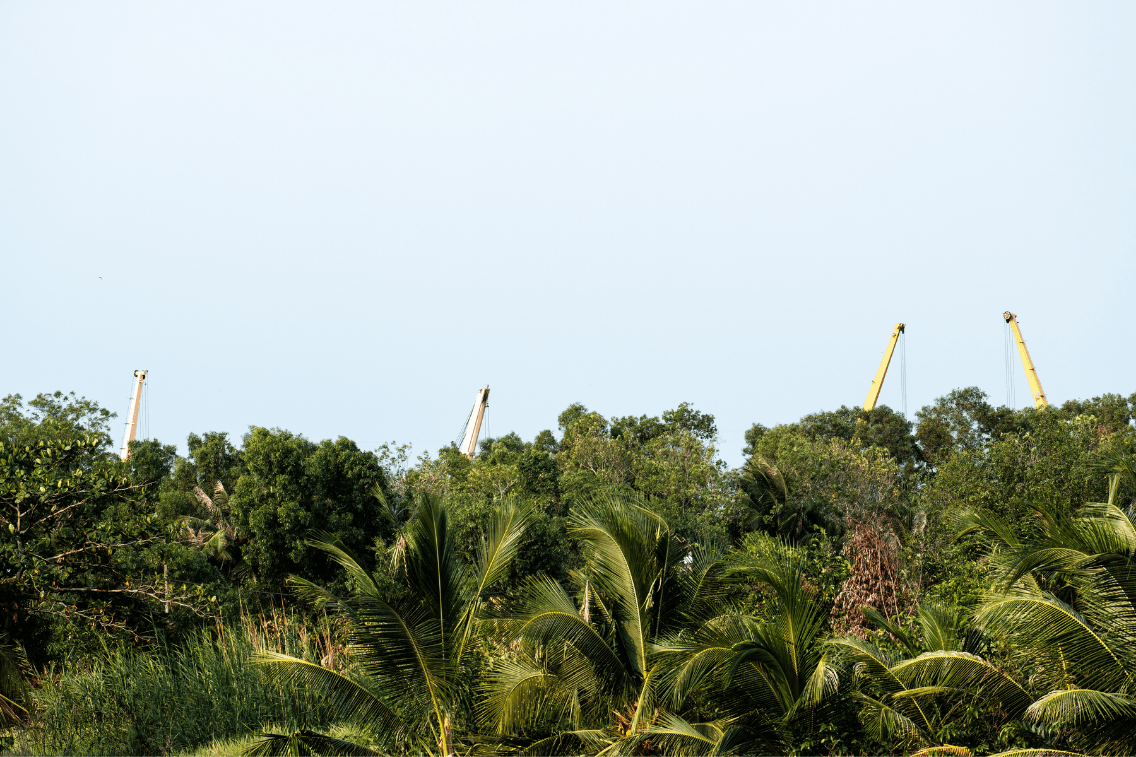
(1039, 398)
(473, 427)
(878, 381)
(132, 420)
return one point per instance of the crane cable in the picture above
(145, 410)
(1008, 344)
(464, 430)
(903, 371)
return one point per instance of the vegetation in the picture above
(863, 584)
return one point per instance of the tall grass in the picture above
(175, 700)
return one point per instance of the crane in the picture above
(1039, 398)
(878, 381)
(132, 419)
(473, 425)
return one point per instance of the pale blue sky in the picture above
(343, 218)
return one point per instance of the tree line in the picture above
(861, 584)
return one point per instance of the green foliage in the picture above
(961, 421)
(618, 590)
(824, 569)
(793, 484)
(80, 546)
(415, 645)
(124, 702)
(293, 485)
(579, 661)
(763, 684)
(150, 464)
(935, 690)
(55, 417)
(1112, 411)
(213, 458)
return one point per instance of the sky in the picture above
(345, 218)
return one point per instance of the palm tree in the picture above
(772, 509)
(578, 675)
(213, 535)
(412, 644)
(916, 700)
(747, 684)
(1066, 602)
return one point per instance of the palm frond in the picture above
(550, 618)
(965, 673)
(1104, 719)
(991, 528)
(350, 700)
(944, 749)
(633, 553)
(877, 618)
(434, 569)
(302, 743)
(494, 558)
(887, 725)
(1056, 634)
(942, 627)
(521, 693)
(1038, 753)
(333, 546)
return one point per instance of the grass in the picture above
(205, 694)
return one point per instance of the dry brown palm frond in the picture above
(875, 579)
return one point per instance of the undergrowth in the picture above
(171, 701)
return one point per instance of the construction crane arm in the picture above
(1039, 398)
(473, 429)
(878, 381)
(132, 420)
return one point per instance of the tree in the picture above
(213, 534)
(589, 458)
(1112, 411)
(935, 688)
(751, 686)
(149, 466)
(1066, 602)
(414, 642)
(879, 427)
(961, 421)
(56, 417)
(793, 483)
(81, 546)
(752, 436)
(214, 459)
(583, 675)
(293, 485)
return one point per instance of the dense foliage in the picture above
(862, 584)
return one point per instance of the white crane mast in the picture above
(132, 418)
(473, 427)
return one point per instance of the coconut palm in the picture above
(1066, 603)
(915, 698)
(213, 535)
(580, 676)
(411, 644)
(745, 683)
